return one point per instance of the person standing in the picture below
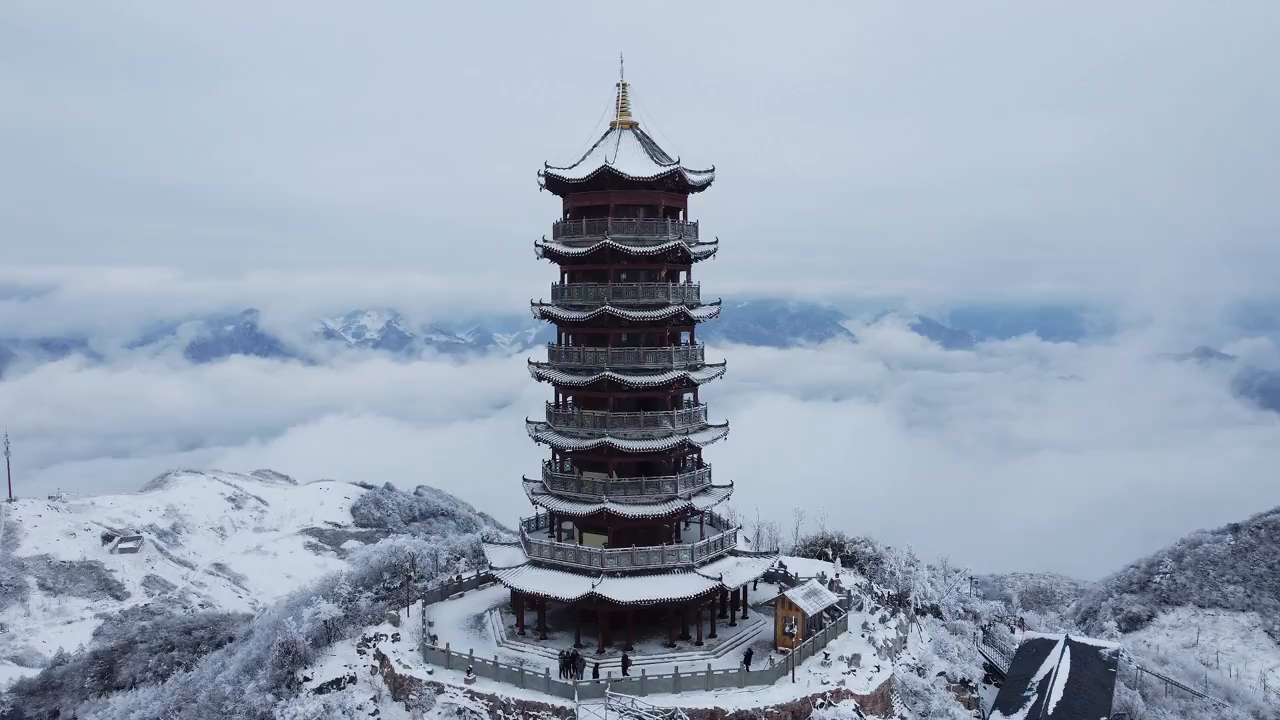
(626, 665)
(746, 658)
(582, 666)
(595, 671)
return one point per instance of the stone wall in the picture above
(400, 686)
(878, 703)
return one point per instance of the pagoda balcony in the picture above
(674, 357)
(657, 228)
(637, 293)
(627, 489)
(534, 531)
(627, 422)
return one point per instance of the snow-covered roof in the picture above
(699, 313)
(627, 152)
(504, 555)
(736, 570)
(1057, 677)
(812, 597)
(565, 586)
(691, 251)
(544, 433)
(634, 507)
(548, 372)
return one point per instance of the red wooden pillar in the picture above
(577, 626)
(744, 602)
(519, 603)
(697, 609)
(630, 631)
(671, 628)
(711, 615)
(724, 604)
(733, 608)
(542, 619)
(684, 622)
(702, 525)
(602, 619)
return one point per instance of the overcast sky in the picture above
(162, 158)
(1080, 147)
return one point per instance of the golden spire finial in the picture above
(622, 106)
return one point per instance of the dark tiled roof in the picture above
(1059, 677)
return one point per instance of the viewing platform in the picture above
(649, 557)
(649, 228)
(626, 422)
(647, 489)
(674, 357)
(637, 293)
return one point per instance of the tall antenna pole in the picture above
(8, 470)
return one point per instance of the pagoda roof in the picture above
(705, 499)
(548, 372)
(544, 433)
(556, 313)
(727, 573)
(625, 156)
(684, 251)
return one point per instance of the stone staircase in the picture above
(756, 626)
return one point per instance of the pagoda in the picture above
(624, 536)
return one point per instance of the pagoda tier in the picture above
(608, 250)
(625, 508)
(595, 379)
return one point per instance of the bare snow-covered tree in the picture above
(797, 526)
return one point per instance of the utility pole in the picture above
(8, 469)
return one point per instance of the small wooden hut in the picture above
(800, 612)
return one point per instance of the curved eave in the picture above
(684, 252)
(724, 574)
(547, 372)
(557, 314)
(705, 499)
(606, 177)
(543, 433)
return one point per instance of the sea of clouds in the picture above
(1017, 455)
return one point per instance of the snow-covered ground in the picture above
(212, 540)
(1221, 640)
(460, 622)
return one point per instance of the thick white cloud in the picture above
(1019, 455)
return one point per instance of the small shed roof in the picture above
(1057, 677)
(811, 597)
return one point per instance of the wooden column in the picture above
(542, 619)
(577, 626)
(602, 618)
(744, 602)
(630, 630)
(697, 609)
(684, 622)
(711, 614)
(702, 525)
(671, 628)
(733, 608)
(519, 603)
(724, 604)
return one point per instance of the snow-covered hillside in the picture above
(211, 541)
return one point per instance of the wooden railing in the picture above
(567, 481)
(605, 421)
(675, 357)
(625, 293)
(635, 557)
(624, 227)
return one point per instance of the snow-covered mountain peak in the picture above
(377, 328)
(211, 540)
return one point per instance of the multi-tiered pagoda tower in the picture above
(624, 538)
